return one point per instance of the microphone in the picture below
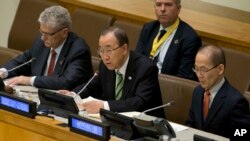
(85, 86)
(153, 126)
(146, 120)
(155, 108)
(31, 60)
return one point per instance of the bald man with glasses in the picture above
(217, 107)
(60, 59)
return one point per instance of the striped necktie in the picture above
(119, 85)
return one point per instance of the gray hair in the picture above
(56, 16)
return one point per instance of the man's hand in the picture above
(93, 106)
(23, 80)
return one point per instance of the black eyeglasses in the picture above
(107, 51)
(203, 70)
(50, 34)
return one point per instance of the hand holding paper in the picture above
(92, 105)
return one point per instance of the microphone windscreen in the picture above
(34, 58)
(96, 73)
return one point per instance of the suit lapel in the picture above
(151, 39)
(175, 43)
(110, 84)
(217, 104)
(200, 108)
(63, 54)
(129, 76)
(40, 67)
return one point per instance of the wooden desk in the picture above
(219, 30)
(14, 127)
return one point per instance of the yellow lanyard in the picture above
(157, 44)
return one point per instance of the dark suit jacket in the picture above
(228, 111)
(180, 56)
(72, 68)
(141, 89)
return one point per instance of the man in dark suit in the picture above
(216, 107)
(61, 59)
(169, 41)
(139, 89)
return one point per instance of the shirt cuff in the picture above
(32, 80)
(106, 105)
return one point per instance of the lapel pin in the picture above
(129, 78)
(176, 41)
(61, 62)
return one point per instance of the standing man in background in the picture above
(169, 41)
(60, 59)
(216, 107)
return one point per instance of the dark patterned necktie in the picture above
(52, 62)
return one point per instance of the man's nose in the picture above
(162, 7)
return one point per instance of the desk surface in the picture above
(14, 127)
(217, 28)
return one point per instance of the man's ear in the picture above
(221, 69)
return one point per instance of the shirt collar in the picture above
(59, 48)
(161, 28)
(122, 70)
(214, 90)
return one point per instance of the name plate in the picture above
(88, 127)
(17, 105)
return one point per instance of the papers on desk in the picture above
(27, 92)
(178, 127)
(27, 89)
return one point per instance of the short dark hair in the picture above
(217, 54)
(177, 2)
(119, 33)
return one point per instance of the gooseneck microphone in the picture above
(146, 120)
(153, 126)
(85, 86)
(31, 60)
(155, 108)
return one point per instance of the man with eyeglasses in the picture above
(127, 81)
(60, 59)
(217, 107)
(169, 41)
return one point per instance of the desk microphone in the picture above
(31, 60)
(146, 120)
(95, 74)
(155, 108)
(152, 126)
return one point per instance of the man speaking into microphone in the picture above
(126, 81)
(58, 58)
